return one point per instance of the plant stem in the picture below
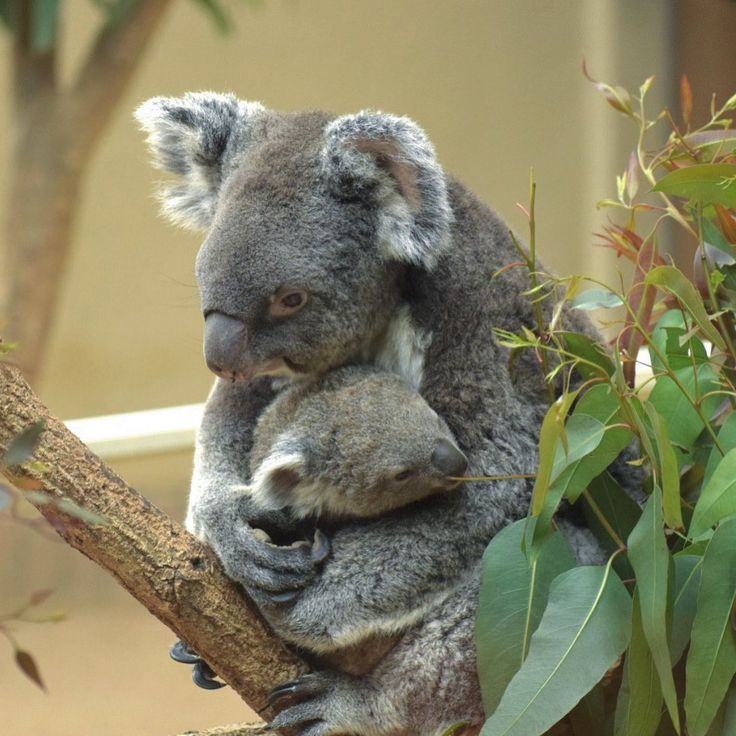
(604, 522)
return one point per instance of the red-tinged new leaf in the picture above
(686, 99)
(29, 667)
(727, 219)
(617, 97)
(641, 298)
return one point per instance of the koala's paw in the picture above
(273, 575)
(320, 704)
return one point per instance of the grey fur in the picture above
(339, 445)
(289, 212)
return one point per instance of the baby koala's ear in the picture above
(276, 479)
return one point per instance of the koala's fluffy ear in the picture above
(391, 159)
(273, 483)
(194, 137)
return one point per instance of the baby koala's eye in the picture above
(288, 301)
(404, 475)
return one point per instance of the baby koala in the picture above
(360, 442)
(355, 442)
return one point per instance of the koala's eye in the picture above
(288, 301)
(404, 475)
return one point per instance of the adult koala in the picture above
(334, 240)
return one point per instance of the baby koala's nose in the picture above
(448, 459)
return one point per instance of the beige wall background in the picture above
(498, 87)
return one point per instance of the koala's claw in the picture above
(312, 714)
(202, 674)
(181, 652)
(320, 546)
(286, 597)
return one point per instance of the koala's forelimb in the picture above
(172, 573)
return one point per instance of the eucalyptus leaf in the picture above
(668, 470)
(592, 359)
(639, 704)
(671, 401)
(727, 440)
(28, 665)
(711, 661)
(78, 512)
(24, 444)
(674, 281)
(513, 595)
(718, 498)
(686, 582)
(597, 298)
(651, 560)
(45, 22)
(702, 183)
(583, 631)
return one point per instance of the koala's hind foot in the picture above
(202, 674)
(326, 703)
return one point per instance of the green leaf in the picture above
(456, 728)
(24, 445)
(702, 183)
(597, 298)
(45, 22)
(620, 512)
(583, 631)
(674, 281)
(718, 498)
(727, 440)
(711, 661)
(28, 665)
(673, 337)
(713, 236)
(593, 360)
(639, 704)
(677, 411)
(592, 445)
(513, 595)
(686, 581)
(9, 14)
(78, 512)
(668, 470)
(549, 435)
(651, 560)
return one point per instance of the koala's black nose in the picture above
(448, 459)
(225, 341)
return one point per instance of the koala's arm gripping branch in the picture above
(175, 576)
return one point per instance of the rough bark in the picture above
(174, 575)
(56, 133)
(238, 730)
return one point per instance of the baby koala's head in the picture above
(355, 442)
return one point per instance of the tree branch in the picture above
(105, 75)
(176, 577)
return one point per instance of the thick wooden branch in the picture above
(107, 71)
(174, 575)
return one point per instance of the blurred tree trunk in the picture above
(174, 575)
(56, 131)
